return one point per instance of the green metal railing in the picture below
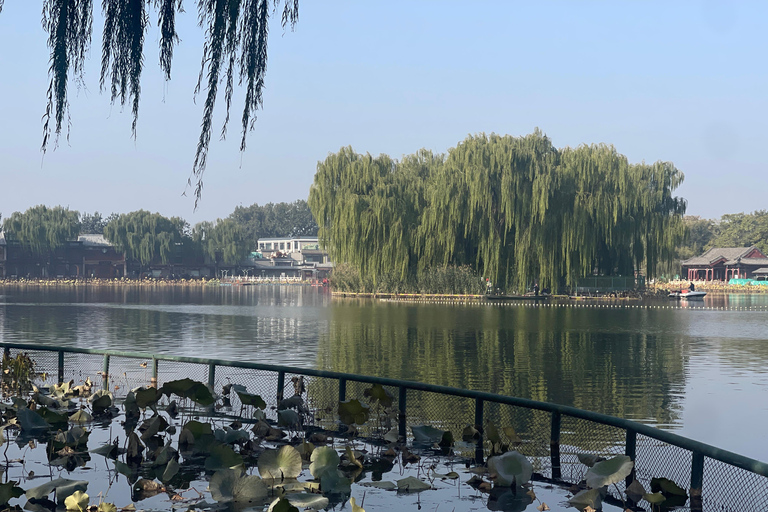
(724, 480)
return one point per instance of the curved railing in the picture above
(553, 434)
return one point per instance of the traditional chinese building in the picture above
(724, 263)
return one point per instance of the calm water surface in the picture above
(687, 368)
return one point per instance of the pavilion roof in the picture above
(731, 255)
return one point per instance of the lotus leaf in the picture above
(170, 471)
(282, 505)
(323, 459)
(427, 434)
(589, 459)
(101, 400)
(62, 486)
(81, 416)
(412, 484)
(130, 472)
(280, 464)
(198, 429)
(667, 487)
(188, 388)
(249, 399)
(655, 498)
(334, 482)
(232, 485)
(294, 402)
(30, 421)
(510, 468)
(307, 500)
(635, 490)
(509, 500)
(152, 426)
(78, 501)
(351, 458)
(135, 448)
(381, 395)
(46, 401)
(109, 450)
(10, 490)
(392, 436)
(146, 397)
(353, 412)
(609, 471)
(230, 435)
(492, 434)
(164, 454)
(470, 433)
(54, 419)
(106, 507)
(222, 457)
(512, 436)
(288, 418)
(587, 498)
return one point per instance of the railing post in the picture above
(401, 408)
(7, 352)
(153, 382)
(342, 390)
(211, 376)
(697, 479)
(105, 373)
(280, 385)
(630, 450)
(479, 454)
(61, 367)
(554, 445)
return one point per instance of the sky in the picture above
(684, 82)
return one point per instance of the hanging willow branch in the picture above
(235, 47)
(69, 24)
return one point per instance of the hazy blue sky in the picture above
(684, 82)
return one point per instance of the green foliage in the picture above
(41, 229)
(274, 220)
(145, 236)
(514, 209)
(742, 230)
(222, 241)
(94, 223)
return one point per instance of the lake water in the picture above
(696, 369)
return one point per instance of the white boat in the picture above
(687, 295)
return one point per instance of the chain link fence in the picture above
(551, 436)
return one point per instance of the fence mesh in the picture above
(726, 487)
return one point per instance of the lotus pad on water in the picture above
(281, 463)
(231, 485)
(608, 472)
(510, 468)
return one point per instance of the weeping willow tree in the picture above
(42, 230)
(370, 207)
(516, 209)
(222, 241)
(145, 237)
(235, 50)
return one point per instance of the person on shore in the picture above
(692, 287)
(536, 289)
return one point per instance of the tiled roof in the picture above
(763, 270)
(732, 255)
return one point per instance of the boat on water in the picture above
(516, 297)
(687, 295)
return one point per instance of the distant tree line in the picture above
(731, 230)
(146, 237)
(515, 209)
